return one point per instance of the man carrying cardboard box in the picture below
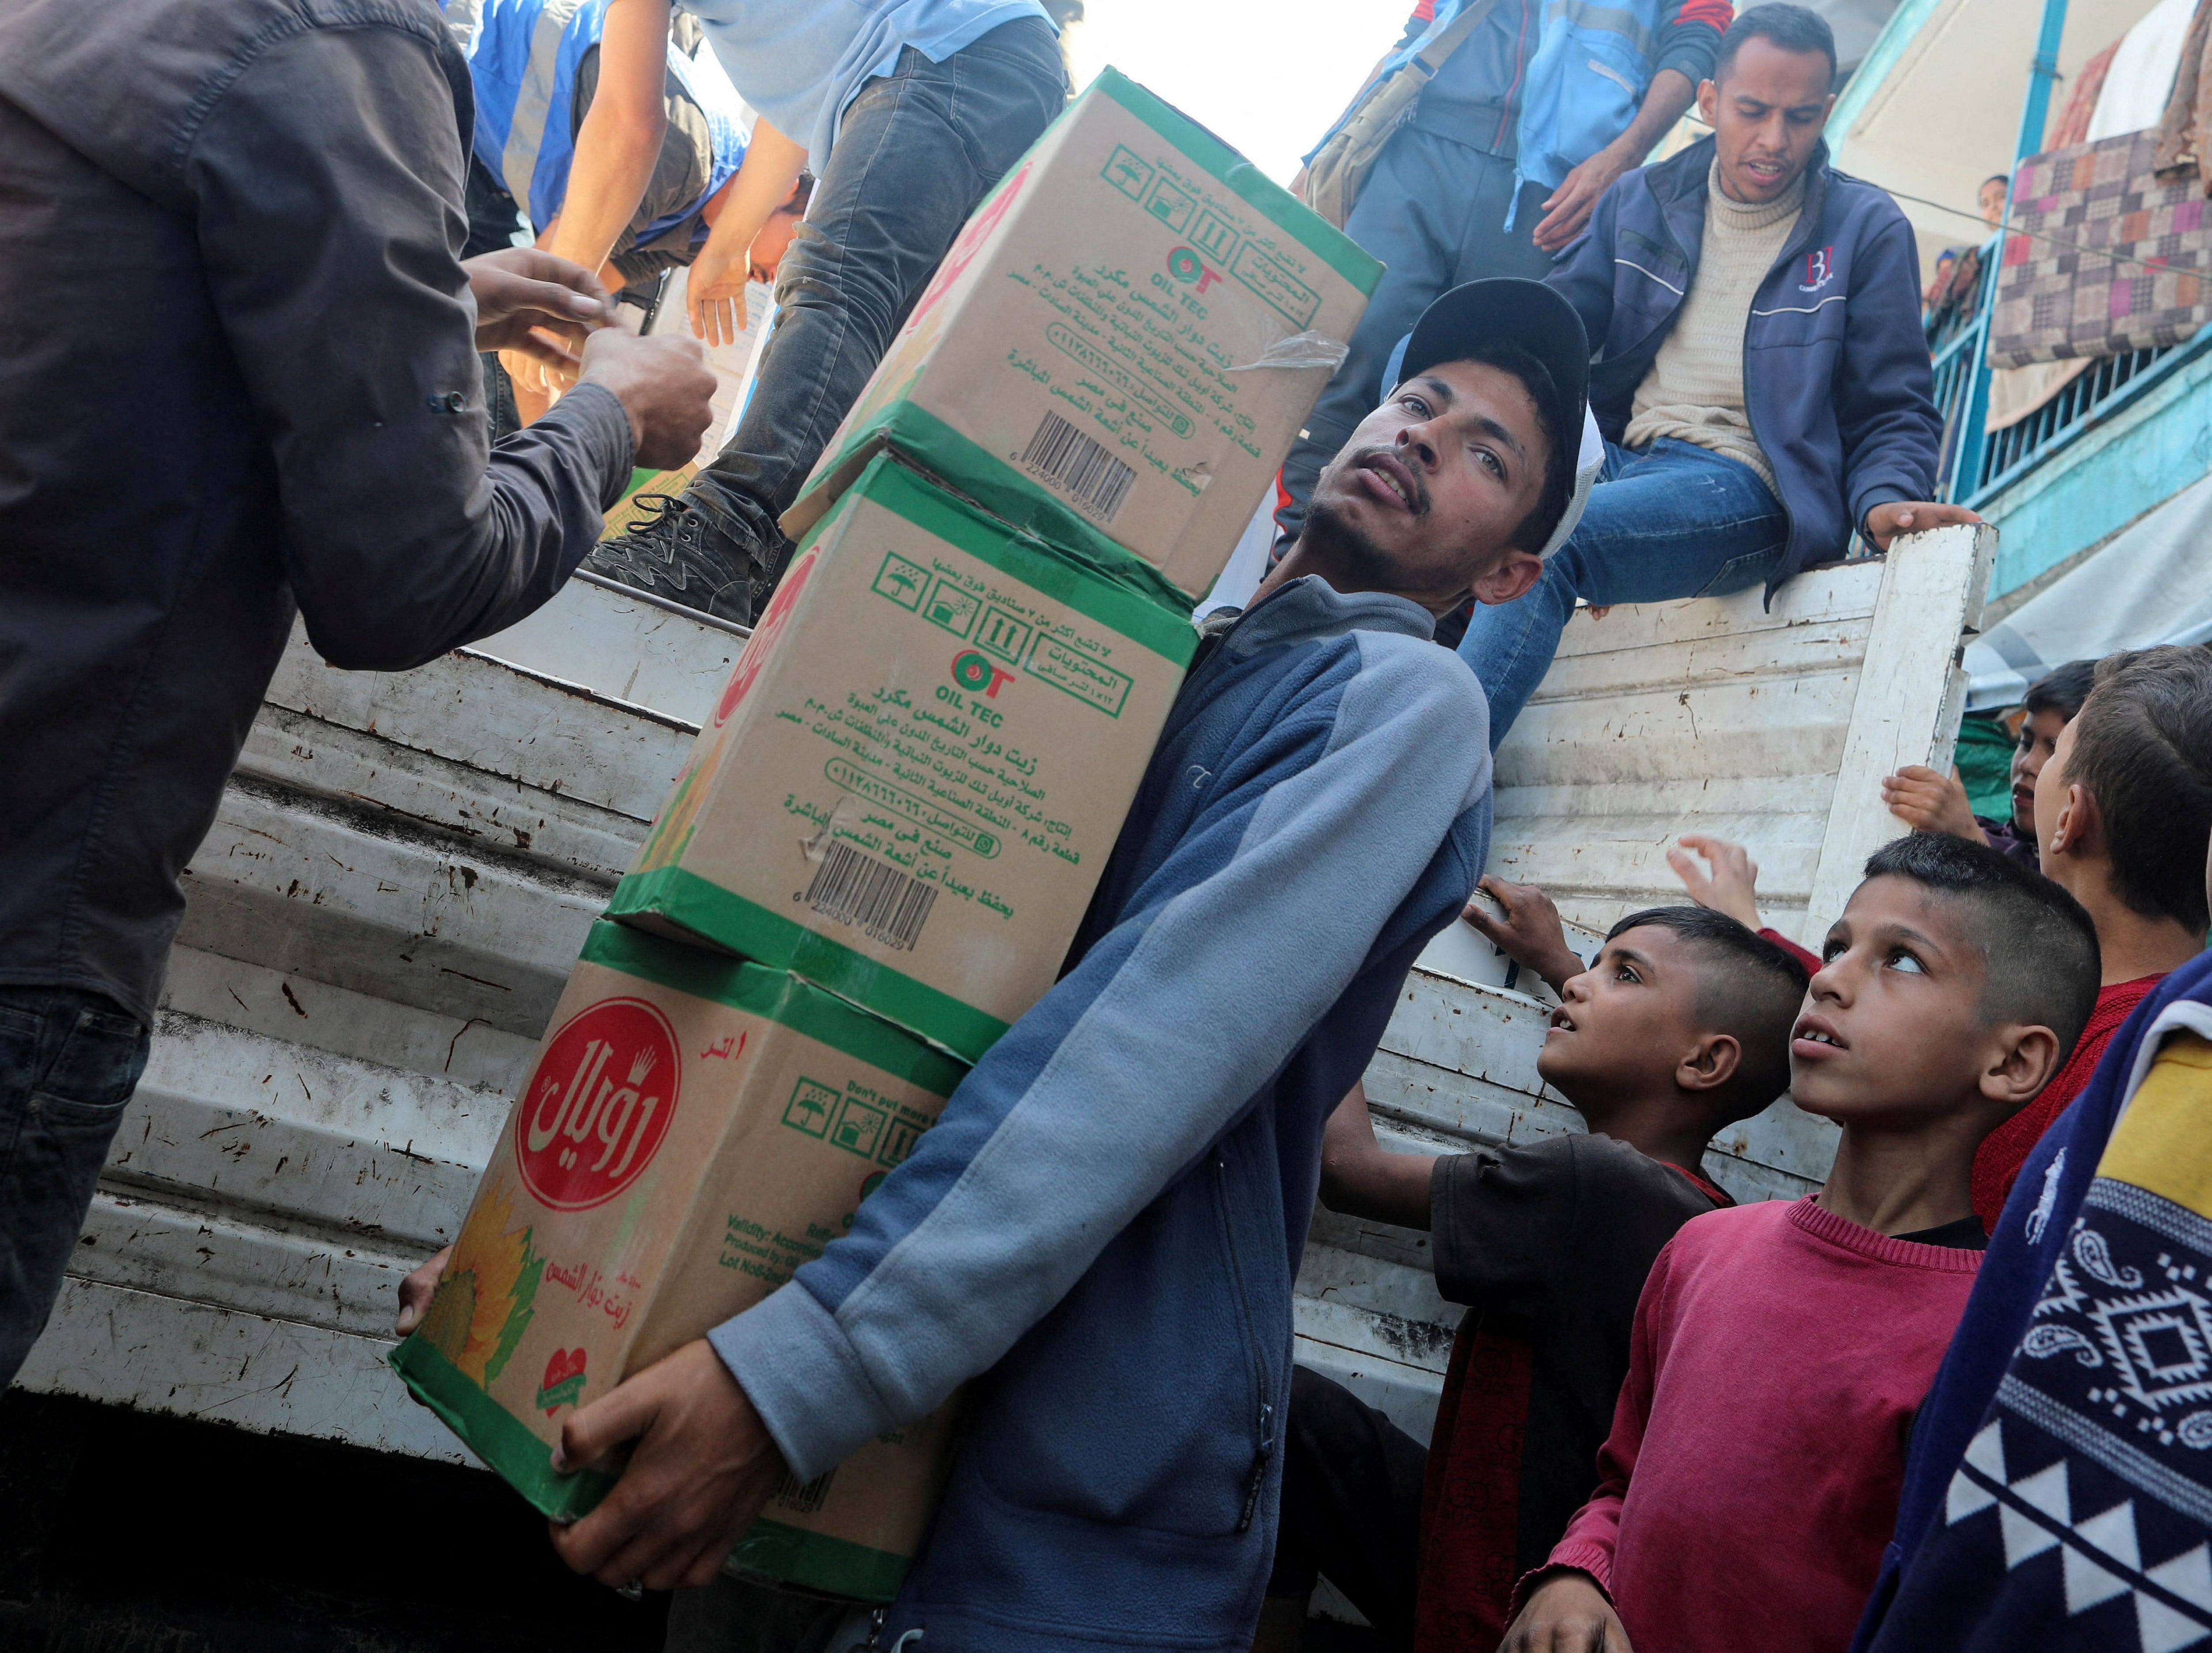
(1103, 1228)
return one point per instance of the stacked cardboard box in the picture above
(897, 812)
(696, 1127)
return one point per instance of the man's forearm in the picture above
(621, 136)
(772, 164)
(1664, 101)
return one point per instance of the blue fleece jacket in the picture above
(1836, 383)
(1104, 1226)
(2058, 1494)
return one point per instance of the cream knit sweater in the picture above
(1694, 391)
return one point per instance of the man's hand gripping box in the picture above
(696, 1128)
(911, 784)
(1123, 341)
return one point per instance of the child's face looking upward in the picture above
(1891, 1028)
(1625, 1023)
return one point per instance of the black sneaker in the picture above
(681, 553)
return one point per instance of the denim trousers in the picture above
(68, 1061)
(1672, 519)
(915, 151)
(1434, 211)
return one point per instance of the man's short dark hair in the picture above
(1792, 27)
(2039, 954)
(1563, 447)
(2061, 690)
(2143, 749)
(1751, 992)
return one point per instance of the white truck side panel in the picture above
(404, 868)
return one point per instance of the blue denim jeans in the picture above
(915, 151)
(1672, 519)
(68, 1061)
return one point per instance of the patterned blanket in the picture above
(2105, 257)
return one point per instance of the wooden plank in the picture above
(485, 714)
(357, 771)
(624, 648)
(348, 899)
(1931, 593)
(299, 1009)
(270, 1374)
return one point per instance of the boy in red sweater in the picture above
(1780, 1350)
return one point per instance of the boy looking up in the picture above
(2059, 1495)
(1781, 1350)
(1680, 1028)
(2122, 811)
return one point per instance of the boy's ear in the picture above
(1711, 1062)
(2081, 825)
(2028, 1059)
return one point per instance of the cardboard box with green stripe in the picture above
(911, 783)
(696, 1128)
(1123, 342)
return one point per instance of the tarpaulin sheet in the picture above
(2152, 584)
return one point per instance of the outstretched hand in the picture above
(1732, 886)
(531, 304)
(1530, 934)
(702, 1466)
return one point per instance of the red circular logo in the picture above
(597, 1105)
(755, 657)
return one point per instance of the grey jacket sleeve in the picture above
(327, 181)
(1112, 1083)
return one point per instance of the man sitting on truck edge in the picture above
(1103, 1228)
(1762, 381)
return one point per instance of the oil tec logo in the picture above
(597, 1106)
(754, 659)
(1187, 267)
(1819, 269)
(976, 674)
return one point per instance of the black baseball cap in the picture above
(1530, 314)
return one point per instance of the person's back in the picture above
(238, 372)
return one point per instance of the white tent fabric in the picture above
(2152, 584)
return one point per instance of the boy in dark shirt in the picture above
(1680, 1028)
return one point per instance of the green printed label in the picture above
(1090, 681)
(811, 1105)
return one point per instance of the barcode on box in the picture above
(1080, 467)
(806, 1499)
(849, 887)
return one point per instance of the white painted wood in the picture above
(1931, 595)
(199, 1359)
